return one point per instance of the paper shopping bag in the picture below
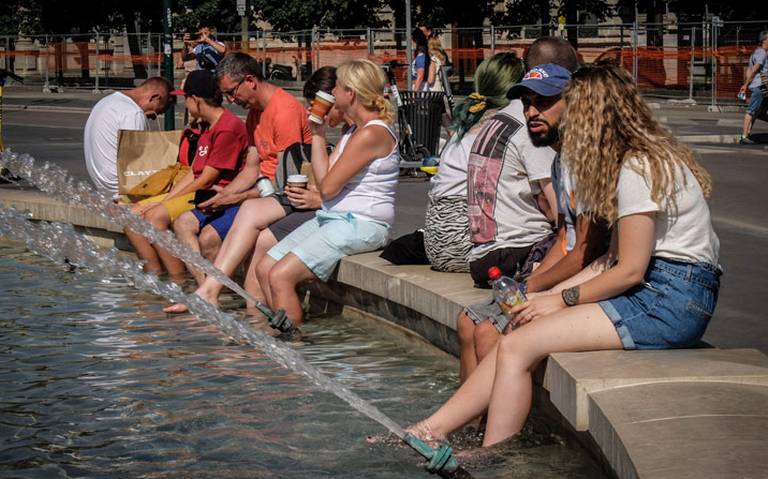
(140, 154)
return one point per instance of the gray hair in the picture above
(763, 36)
(237, 66)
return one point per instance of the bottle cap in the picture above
(494, 273)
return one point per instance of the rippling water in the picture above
(95, 381)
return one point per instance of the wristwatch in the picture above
(571, 296)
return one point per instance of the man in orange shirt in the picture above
(277, 127)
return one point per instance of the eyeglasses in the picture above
(233, 91)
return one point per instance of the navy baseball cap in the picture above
(546, 80)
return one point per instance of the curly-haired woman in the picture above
(661, 291)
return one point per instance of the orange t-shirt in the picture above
(282, 123)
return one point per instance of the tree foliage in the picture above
(290, 15)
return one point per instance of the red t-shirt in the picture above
(282, 123)
(222, 147)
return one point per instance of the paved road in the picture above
(740, 174)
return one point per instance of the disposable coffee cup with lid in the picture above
(320, 106)
(297, 181)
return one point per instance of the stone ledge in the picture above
(571, 378)
(439, 296)
(43, 207)
(681, 430)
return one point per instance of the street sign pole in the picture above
(170, 115)
(242, 8)
(408, 50)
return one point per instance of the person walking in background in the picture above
(661, 291)
(753, 81)
(126, 110)
(421, 61)
(438, 59)
(446, 231)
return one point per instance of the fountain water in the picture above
(58, 183)
(62, 244)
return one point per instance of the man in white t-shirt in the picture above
(505, 175)
(120, 111)
(757, 66)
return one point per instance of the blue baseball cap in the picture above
(547, 79)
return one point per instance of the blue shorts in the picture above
(220, 220)
(323, 240)
(670, 309)
(755, 100)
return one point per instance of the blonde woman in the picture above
(357, 183)
(661, 291)
(439, 59)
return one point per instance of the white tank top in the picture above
(371, 193)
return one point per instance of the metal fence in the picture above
(704, 61)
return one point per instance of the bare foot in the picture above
(423, 431)
(176, 309)
(181, 308)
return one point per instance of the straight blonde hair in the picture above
(367, 80)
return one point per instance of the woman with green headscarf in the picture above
(446, 233)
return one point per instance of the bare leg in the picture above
(468, 356)
(262, 274)
(187, 227)
(209, 242)
(160, 219)
(581, 328)
(502, 381)
(144, 249)
(266, 241)
(284, 277)
(749, 121)
(486, 337)
(253, 216)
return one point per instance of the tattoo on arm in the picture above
(571, 296)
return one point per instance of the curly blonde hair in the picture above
(367, 80)
(605, 124)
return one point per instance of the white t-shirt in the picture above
(758, 57)
(111, 114)
(684, 234)
(451, 177)
(503, 180)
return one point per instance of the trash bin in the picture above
(423, 111)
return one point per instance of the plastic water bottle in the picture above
(506, 291)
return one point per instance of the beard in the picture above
(549, 138)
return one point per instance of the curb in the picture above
(718, 139)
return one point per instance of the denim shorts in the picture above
(323, 240)
(755, 100)
(669, 309)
